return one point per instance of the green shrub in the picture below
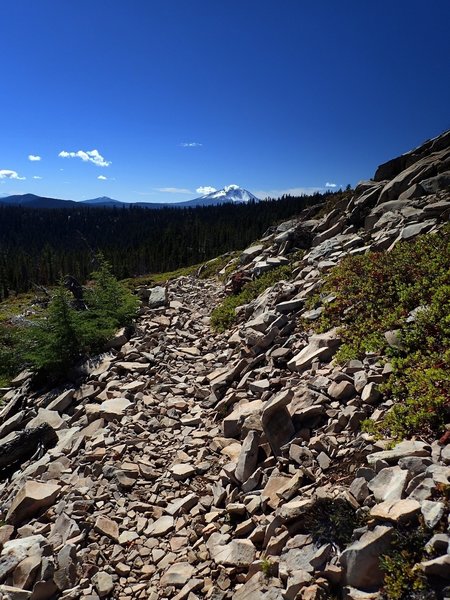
(54, 342)
(111, 303)
(224, 315)
(64, 335)
(10, 360)
(376, 292)
(266, 567)
(403, 578)
(332, 521)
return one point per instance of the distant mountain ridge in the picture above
(229, 194)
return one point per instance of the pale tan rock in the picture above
(114, 409)
(182, 471)
(177, 574)
(396, 510)
(108, 527)
(31, 499)
(162, 526)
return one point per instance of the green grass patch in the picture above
(224, 315)
(158, 278)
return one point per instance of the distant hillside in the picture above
(33, 201)
(229, 194)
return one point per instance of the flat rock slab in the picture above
(401, 450)
(13, 593)
(162, 526)
(114, 409)
(389, 484)
(182, 471)
(177, 574)
(31, 498)
(237, 553)
(107, 527)
(395, 510)
(361, 560)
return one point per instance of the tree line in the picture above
(38, 246)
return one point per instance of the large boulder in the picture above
(30, 500)
(361, 560)
(277, 422)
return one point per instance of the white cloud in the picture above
(190, 144)
(102, 177)
(8, 174)
(36, 177)
(295, 191)
(92, 156)
(330, 185)
(173, 190)
(34, 157)
(205, 189)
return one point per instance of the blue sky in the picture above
(177, 96)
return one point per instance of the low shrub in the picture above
(407, 289)
(403, 578)
(224, 315)
(54, 342)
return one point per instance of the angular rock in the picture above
(396, 510)
(177, 574)
(31, 499)
(361, 560)
(389, 484)
(401, 450)
(237, 553)
(103, 583)
(114, 409)
(277, 422)
(248, 457)
(108, 527)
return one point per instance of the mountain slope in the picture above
(103, 201)
(229, 194)
(33, 201)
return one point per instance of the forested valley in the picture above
(38, 246)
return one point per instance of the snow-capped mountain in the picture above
(230, 193)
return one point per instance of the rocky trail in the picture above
(188, 464)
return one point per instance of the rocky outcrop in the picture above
(188, 464)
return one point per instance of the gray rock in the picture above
(248, 458)
(342, 390)
(432, 512)
(401, 450)
(8, 592)
(154, 297)
(321, 347)
(389, 484)
(361, 559)
(370, 393)
(277, 422)
(437, 567)
(359, 489)
(103, 583)
(237, 553)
